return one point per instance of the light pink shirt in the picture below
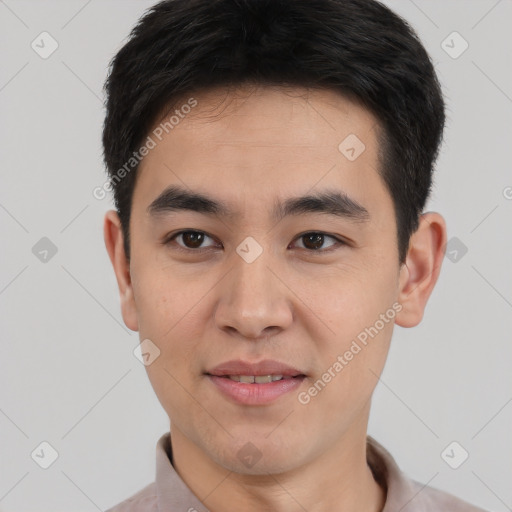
(169, 493)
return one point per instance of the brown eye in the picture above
(190, 240)
(314, 241)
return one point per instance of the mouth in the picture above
(258, 379)
(268, 368)
(255, 383)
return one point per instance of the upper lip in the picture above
(265, 367)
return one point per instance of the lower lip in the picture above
(255, 394)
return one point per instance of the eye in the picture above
(314, 240)
(191, 240)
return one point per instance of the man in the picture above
(270, 162)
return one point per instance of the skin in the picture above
(250, 147)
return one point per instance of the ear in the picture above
(113, 235)
(421, 269)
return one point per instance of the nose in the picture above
(253, 301)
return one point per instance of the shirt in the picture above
(169, 493)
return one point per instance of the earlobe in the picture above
(421, 269)
(113, 235)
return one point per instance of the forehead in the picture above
(313, 116)
(258, 142)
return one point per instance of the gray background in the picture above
(67, 369)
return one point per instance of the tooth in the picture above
(263, 379)
(260, 379)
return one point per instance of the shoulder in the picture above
(435, 500)
(143, 501)
(406, 493)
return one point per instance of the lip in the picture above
(255, 394)
(265, 367)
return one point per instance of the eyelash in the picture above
(167, 241)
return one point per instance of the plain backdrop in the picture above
(68, 373)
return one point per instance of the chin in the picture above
(272, 465)
(254, 454)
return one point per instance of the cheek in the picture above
(360, 308)
(169, 309)
(175, 308)
(166, 300)
(351, 299)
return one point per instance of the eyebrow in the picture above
(329, 202)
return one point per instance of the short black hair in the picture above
(357, 47)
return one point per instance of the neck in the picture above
(339, 479)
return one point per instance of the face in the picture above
(308, 288)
